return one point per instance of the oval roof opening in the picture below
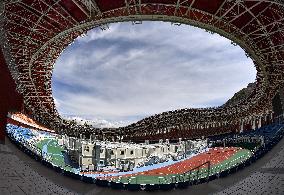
(127, 72)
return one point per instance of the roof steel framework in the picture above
(35, 32)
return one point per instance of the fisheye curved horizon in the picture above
(143, 97)
(129, 72)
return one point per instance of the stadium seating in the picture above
(26, 120)
(219, 161)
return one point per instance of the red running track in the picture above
(214, 155)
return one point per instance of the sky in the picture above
(128, 72)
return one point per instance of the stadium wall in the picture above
(10, 99)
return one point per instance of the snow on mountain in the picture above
(98, 122)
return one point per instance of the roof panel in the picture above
(106, 5)
(210, 6)
(61, 17)
(73, 10)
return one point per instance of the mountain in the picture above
(102, 123)
(98, 123)
(240, 95)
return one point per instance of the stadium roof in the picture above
(35, 32)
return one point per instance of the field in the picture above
(221, 159)
(209, 162)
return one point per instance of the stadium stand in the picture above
(171, 177)
(34, 33)
(22, 119)
(269, 179)
(268, 136)
(214, 163)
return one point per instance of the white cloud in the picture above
(129, 72)
(98, 34)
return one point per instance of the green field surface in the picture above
(55, 156)
(54, 151)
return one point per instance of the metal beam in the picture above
(66, 19)
(273, 47)
(96, 7)
(2, 8)
(220, 8)
(265, 35)
(177, 7)
(265, 26)
(260, 24)
(35, 11)
(29, 28)
(232, 7)
(166, 18)
(189, 8)
(135, 3)
(25, 19)
(80, 7)
(256, 16)
(246, 10)
(44, 108)
(276, 2)
(7, 2)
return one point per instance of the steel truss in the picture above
(31, 51)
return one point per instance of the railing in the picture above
(189, 173)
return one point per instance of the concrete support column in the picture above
(3, 123)
(242, 126)
(259, 122)
(253, 124)
(10, 100)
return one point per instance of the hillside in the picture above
(240, 95)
